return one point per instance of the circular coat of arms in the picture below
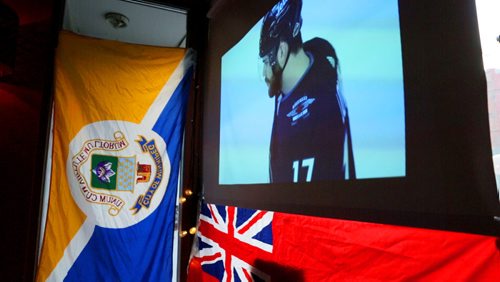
(118, 172)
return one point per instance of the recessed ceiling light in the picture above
(116, 20)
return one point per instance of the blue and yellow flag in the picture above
(117, 132)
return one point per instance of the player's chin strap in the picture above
(350, 153)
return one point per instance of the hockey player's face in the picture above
(272, 73)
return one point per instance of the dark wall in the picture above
(191, 181)
(23, 115)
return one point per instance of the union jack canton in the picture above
(230, 239)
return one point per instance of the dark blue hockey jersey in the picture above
(310, 137)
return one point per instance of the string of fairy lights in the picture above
(187, 194)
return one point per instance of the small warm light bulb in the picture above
(192, 230)
(188, 192)
(182, 200)
(183, 233)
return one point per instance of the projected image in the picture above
(314, 92)
(489, 23)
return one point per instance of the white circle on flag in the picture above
(117, 172)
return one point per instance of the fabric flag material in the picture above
(238, 244)
(117, 132)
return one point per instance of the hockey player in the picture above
(311, 138)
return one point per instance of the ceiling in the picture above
(149, 23)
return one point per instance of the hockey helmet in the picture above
(282, 22)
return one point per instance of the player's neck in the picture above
(295, 68)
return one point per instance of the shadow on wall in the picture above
(279, 272)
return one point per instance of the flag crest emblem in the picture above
(113, 173)
(117, 179)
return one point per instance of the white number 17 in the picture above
(308, 163)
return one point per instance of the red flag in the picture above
(236, 244)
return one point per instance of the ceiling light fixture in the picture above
(116, 20)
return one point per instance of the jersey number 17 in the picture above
(305, 163)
